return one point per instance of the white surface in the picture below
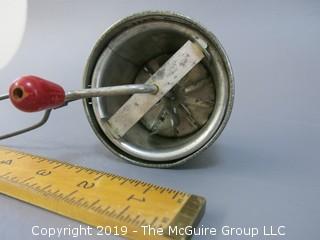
(13, 17)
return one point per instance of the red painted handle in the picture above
(32, 94)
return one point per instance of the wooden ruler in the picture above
(129, 208)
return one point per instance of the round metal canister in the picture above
(189, 118)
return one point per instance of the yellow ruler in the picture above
(127, 207)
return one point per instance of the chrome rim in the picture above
(116, 56)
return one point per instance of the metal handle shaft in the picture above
(33, 94)
(110, 91)
(4, 97)
(44, 95)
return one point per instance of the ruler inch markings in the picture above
(105, 200)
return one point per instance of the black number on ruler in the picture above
(43, 172)
(86, 185)
(132, 197)
(7, 162)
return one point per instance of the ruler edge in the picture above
(200, 203)
(193, 220)
(199, 214)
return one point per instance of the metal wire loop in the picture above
(43, 120)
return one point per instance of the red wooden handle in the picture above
(32, 94)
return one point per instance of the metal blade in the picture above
(188, 56)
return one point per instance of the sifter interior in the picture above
(188, 118)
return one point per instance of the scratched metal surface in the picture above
(263, 169)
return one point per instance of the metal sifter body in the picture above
(157, 90)
(188, 118)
